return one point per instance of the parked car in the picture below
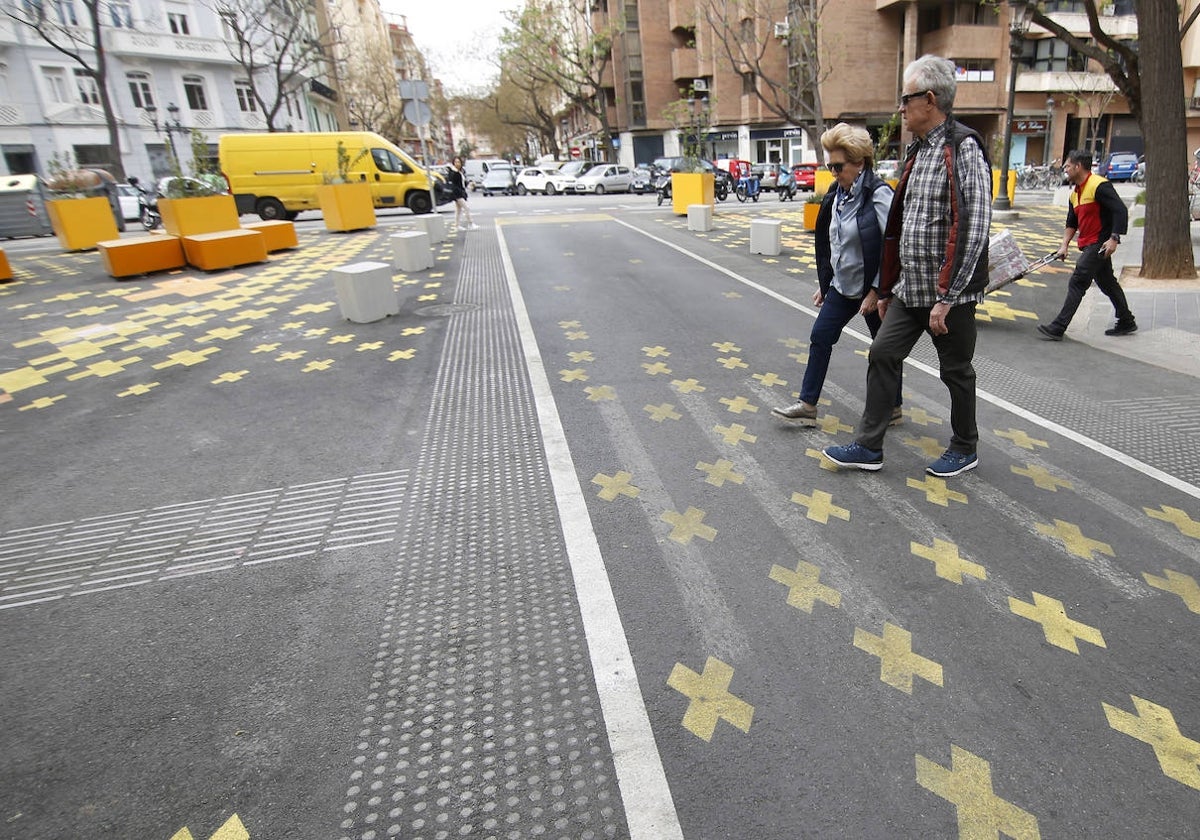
(767, 174)
(805, 175)
(605, 178)
(575, 168)
(500, 178)
(544, 180)
(476, 169)
(1118, 166)
(888, 170)
(127, 197)
(643, 179)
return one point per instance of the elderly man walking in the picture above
(934, 269)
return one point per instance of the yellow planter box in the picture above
(346, 206)
(1012, 185)
(810, 216)
(79, 223)
(691, 188)
(200, 214)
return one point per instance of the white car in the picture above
(543, 180)
(605, 178)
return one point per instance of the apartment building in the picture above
(170, 71)
(668, 50)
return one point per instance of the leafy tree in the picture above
(279, 46)
(55, 25)
(528, 102)
(788, 85)
(1152, 83)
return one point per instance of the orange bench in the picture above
(141, 255)
(278, 234)
(224, 249)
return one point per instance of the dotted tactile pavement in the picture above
(482, 719)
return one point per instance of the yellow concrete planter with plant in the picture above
(691, 188)
(346, 206)
(195, 215)
(79, 223)
(811, 208)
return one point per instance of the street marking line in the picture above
(1045, 423)
(649, 809)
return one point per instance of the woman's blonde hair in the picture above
(852, 140)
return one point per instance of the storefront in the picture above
(788, 146)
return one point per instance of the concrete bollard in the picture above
(700, 217)
(412, 251)
(365, 292)
(766, 236)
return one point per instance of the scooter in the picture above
(147, 205)
(747, 187)
(787, 186)
(662, 186)
(721, 189)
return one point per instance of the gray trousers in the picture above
(901, 328)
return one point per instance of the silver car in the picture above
(605, 178)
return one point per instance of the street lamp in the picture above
(171, 126)
(1020, 16)
(1049, 124)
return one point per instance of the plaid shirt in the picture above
(927, 221)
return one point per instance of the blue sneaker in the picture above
(953, 463)
(855, 455)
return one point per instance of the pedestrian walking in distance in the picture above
(849, 233)
(1099, 217)
(458, 187)
(934, 269)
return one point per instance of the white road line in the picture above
(1036, 419)
(649, 808)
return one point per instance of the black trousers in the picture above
(1092, 266)
(901, 328)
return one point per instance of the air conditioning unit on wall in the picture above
(699, 84)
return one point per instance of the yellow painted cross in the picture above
(1182, 585)
(659, 413)
(578, 356)
(831, 425)
(897, 662)
(1021, 439)
(929, 447)
(616, 485)
(574, 375)
(1042, 477)
(734, 433)
(1060, 630)
(600, 393)
(1178, 755)
(820, 506)
(946, 562)
(936, 491)
(726, 347)
(804, 586)
(982, 814)
(231, 830)
(710, 699)
(793, 343)
(921, 417)
(1073, 539)
(720, 472)
(738, 404)
(685, 526)
(576, 335)
(655, 368)
(769, 379)
(656, 351)
(824, 462)
(687, 386)
(1186, 525)
(732, 363)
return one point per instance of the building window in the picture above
(748, 84)
(974, 70)
(974, 13)
(56, 84)
(245, 96)
(121, 14)
(64, 11)
(193, 90)
(1051, 55)
(631, 16)
(229, 26)
(637, 102)
(140, 90)
(85, 83)
(178, 23)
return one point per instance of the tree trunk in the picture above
(1167, 242)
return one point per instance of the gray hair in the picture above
(935, 74)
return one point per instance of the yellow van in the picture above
(277, 175)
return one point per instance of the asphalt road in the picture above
(532, 558)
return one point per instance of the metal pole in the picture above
(1002, 202)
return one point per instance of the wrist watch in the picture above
(1115, 238)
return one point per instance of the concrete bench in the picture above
(5, 268)
(430, 223)
(766, 236)
(277, 234)
(141, 255)
(412, 250)
(224, 249)
(365, 291)
(700, 217)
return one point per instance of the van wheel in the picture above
(418, 202)
(270, 209)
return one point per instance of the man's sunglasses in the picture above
(909, 97)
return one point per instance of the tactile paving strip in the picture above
(482, 719)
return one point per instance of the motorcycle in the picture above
(662, 186)
(721, 189)
(787, 186)
(747, 187)
(147, 205)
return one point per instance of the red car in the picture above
(805, 175)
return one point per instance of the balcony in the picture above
(130, 42)
(1193, 103)
(1117, 26)
(1029, 81)
(684, 63)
